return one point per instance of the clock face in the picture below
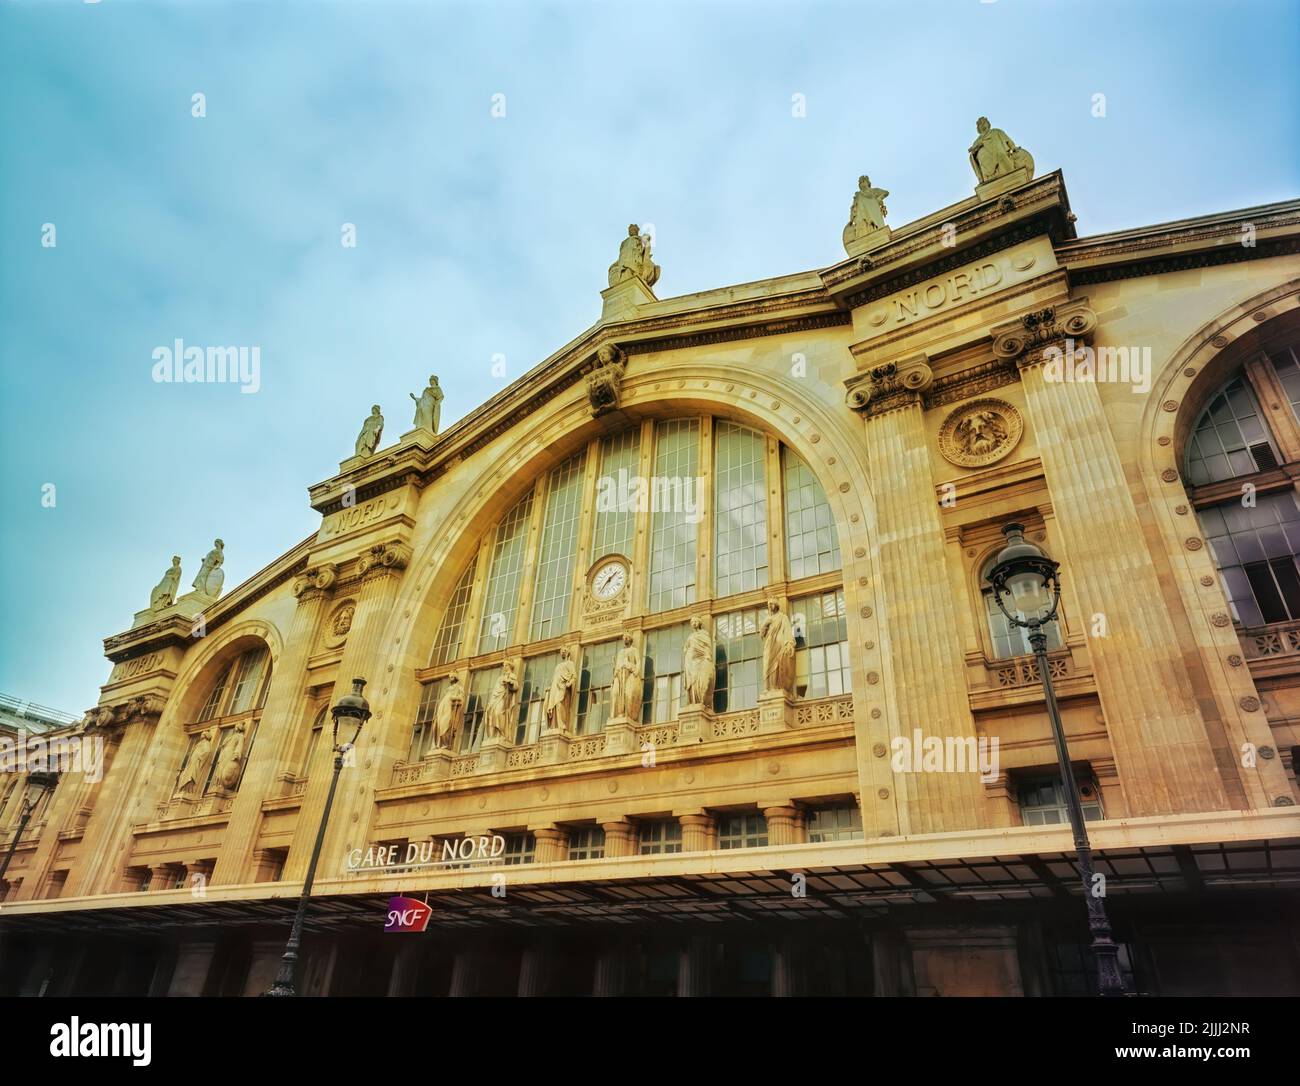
(609, 579)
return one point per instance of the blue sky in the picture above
(478, 235)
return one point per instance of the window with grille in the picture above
(740, 660)
(821, 637)
(657, 836)
(841, 822)
(663, 673)
(742, 830)
(1042, 801)
(587, 843)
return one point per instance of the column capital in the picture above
(383, 558)
(890, 386)
(1027, 337)
(315, 581)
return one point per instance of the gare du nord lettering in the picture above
(457, 851)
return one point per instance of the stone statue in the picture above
(496, 718)
(778, 649)
(211, 576)
(699, 666)
(164, 593)
(868, 211)
(232, 757)
(558, 704)
(447, 719)
(428, 407)
(371, 431)
(190, 778)
(993, 155)
(628, 687)
(634, 260)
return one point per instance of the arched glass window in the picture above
(1008, 639)
(1230, 438)
(1256, 547)
(714, 487)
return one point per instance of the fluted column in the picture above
(466, 973)
(1161, 747)
(552, 845)
(375, 596)
(928, 681)
(620, 837)
(610, 977)
(695, 967)
(784, 825)
(282, 717)
(697, 831)
(536, 965)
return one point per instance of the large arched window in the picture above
(1240, 478)
(220, 737)
(671, 518)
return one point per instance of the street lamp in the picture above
(355, 710)
(34, 790)
(1029, 577)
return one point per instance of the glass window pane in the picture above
(594, 686)
(740, 660)
(447, 643)
(532, 696)
(674, 522)
(810, 538)
(615, 521)
(557, 550)
(1217, 449)
(821, 645)
(739, 509)
(501, 601)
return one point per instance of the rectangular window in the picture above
(1042, 801)
(663, 671)
(811, 543)
(658, 836)
(520, 848)
(742, 830)
(739, 510)
(532, 695)
(559, 545)
(480, 690)
(587, 843)
(501, 600)
(422, 731)
(674, 526)
(593, 687)
(740, 660)
(451, 634)
(1256, 551)
(841, 822)
(821, 637)
(615, 521)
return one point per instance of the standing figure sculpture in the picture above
(232, 758)
(628, 686)
(448, 716)
(778, 649)
(428, 407)
(634, 260)
(558, 703)
(189, 782)
(164, 593)
(211, 576)
(699, 666)
(496, 718)
(993, 155)
(371, 431)
(868, 211)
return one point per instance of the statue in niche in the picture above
(778, 649)
(497, 716)
(164, 593)
(190, 780)
(558, 704)
(699, 666)
(628, 686)
(446, 721)
(428, 407)
(371, 431)
(211, 576)
(868, 210)
(634, 260)
(993, 155)
(231, 763)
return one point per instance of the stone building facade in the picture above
(848, 442)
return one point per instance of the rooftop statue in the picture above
(428, 407)
(634, 260)
(164, 593)
(993, 155)
(868, 211)
(211, 576)
(371, 431)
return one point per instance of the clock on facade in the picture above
(608, 578)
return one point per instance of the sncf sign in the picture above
(407, 914)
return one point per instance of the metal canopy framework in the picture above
(833, 893)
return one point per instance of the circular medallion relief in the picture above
(980, 432)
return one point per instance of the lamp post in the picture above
(34, 790)
(1029, 577)
(355, 709)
